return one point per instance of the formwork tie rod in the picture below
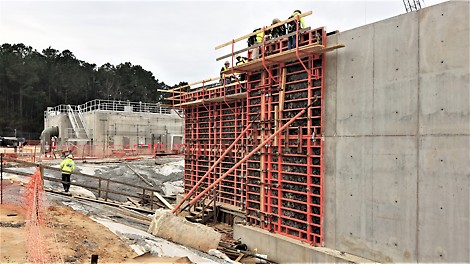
(262, 144)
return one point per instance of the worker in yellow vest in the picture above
(258, 39)
(67, 166)
(241, 60)
(224, 77)
(292, 27)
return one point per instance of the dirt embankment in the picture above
(71, 235)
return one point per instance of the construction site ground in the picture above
(78, 227)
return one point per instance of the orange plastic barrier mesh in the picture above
(37, 226)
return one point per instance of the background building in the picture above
(104, 126)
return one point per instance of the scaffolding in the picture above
(256, 144)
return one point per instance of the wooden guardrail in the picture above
(101, 186)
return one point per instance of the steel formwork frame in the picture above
(281, 185)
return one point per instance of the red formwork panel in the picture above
(280, 186)
(209, 130)
(284, 180)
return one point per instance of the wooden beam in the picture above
(230, 97)
(263, 29)
(140, 176)
(198, 82)
(283, 91)
(170, 91)
(164, 201)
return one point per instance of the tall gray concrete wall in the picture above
(397, 138)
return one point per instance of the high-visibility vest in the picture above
(259, 37)
(67, 166)
(221, 72)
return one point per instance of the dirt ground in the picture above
(73, 236)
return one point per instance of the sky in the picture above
(175, 40)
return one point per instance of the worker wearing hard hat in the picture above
(67, 166)
(292, 27)
(279, 30)
(258, 39)
(224, 76)
(240, 61)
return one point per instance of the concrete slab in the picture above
(394, 198)
(329, 103)
(444, 102)
(395, 73)
(444, 65)
(354, 187)
(329, 196)
(444, 203)
(355, 82)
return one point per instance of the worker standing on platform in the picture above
(240, 61)
(224, 76)
(258, 38)
(67, 166)
(279, 30)
(292, 27)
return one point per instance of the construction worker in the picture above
(224, 76)
(258, 39)
(292, 27)
(67, 166)
(240, 61)
(279, 30)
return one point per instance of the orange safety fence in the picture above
(35, 205)
(93, 151)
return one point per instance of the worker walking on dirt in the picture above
(292, 27)
(67, 166)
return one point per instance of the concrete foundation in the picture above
(398, 137)
(287, 250)
(397, 140)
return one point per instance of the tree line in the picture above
(30, 81)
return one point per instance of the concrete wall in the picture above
(397, 138)
(112, 127)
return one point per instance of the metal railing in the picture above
(111, 105)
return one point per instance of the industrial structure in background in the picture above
(101, 128)
(361, 152)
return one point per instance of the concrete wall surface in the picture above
(287, 250)
(397, 138)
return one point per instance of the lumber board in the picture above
(263, 29)
(230, 97)
(170, 91)
(284, 56)
(140, 176)
(194, 83)
(164, 201)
